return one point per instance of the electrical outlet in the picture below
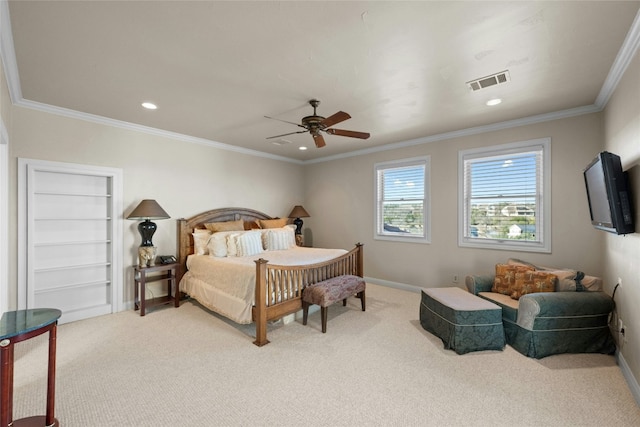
(620, 326)
(454, 278)
(620, 281)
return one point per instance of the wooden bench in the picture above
(329, 291)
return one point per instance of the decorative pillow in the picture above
(225, 226)
(531, 282)
(506, 276)
(232, 246)
(277, 239)
(566, 279)
(251, 225)
(273, 223)
(218, 245)
(200, 239)
(519, 262)
(591, 283)
(249, 243)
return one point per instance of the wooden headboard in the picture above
(186, 226)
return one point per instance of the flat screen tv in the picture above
(608, 194)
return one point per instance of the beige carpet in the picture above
(188, 367)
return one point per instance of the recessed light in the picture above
(494, 101)
(302, 148)
(149, 105)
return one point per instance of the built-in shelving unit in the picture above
(70, 237)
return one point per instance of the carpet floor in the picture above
(188, 366)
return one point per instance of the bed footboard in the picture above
(279, 288)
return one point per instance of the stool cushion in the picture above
(331, 290)
(463, 321)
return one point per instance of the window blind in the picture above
(503, 195)
(401, 199)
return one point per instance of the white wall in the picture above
(185, 178)
(622, 254)
(340, 197)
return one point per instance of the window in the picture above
(504, 196)
(402, 201)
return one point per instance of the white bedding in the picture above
(226, 285)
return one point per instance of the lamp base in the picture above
(147, 256)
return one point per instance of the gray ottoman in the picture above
(462, 320)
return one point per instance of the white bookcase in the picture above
(72, 245)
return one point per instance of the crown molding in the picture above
(8, 54)
(588, 109)
(626, 53)
(66, 112)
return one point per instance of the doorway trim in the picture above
(4, 218)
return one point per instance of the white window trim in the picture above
(426, 160)
(511, 245)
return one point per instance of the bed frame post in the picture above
(360, 259)
(261, 303)
(183, 247)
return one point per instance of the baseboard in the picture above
(634, 387)
(397, 285)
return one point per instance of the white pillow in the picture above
(232, 247)
(218, 245)
(280, 239)
(249, 243)
(200, 241)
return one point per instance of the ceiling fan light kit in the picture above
(315, 124)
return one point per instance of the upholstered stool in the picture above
(329, 291)
(463, 321)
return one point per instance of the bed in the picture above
(258, 288)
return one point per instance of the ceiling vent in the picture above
(492, 80)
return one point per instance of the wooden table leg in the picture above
(143, 284)
(51, 378)
(174, 283)
(6, 379)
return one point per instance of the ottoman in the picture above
(463, 321)
(329, 291)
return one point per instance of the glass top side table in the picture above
(17, 326)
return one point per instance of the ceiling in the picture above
(216, 68)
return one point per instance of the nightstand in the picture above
(144, 275)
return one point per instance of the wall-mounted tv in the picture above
(608, 194)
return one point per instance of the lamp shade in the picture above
(298, 212)
(148, 209)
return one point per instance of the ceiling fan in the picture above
(315, 124)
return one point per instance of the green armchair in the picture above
(541, 324)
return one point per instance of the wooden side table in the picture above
(166, 272)
(17, 326)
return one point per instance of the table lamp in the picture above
(147, 210)
(297, 213)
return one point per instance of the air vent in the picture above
(488, 81)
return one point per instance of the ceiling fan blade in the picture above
(291, 123)
(285, 134)
(319, 140)
(338, 117)
(349, 133)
